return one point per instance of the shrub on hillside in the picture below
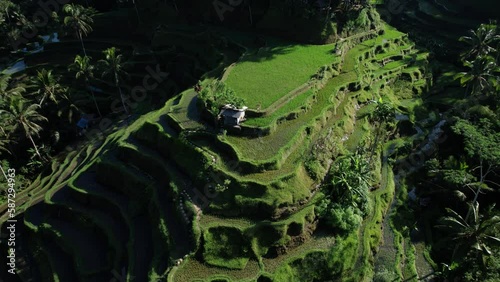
(351, 182)
(361, 21)
(341, 218)
(225, 247)
(314, 266)
(217, 94)
(347, 201)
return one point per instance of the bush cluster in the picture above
(217, 94)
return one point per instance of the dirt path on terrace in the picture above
(227, 71)
(287, 98)
(386, 255)
(281, 101)
(387, 252)
(374, 198)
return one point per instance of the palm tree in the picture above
(5, 141)
(342, 11)
(137, 11)
(481, 41)
(248, 3)
(351, 181)
(22, 116)
(481, 143)
(80, 20)
(70, 108)
(3, 172)
(470, 233)
(498, 53)
(5, 91)
(112, 66)
(48, 86)
(383, 112)
(84, 69)
(480, 76)
(5, 5)
(175, 6)
(3, 144)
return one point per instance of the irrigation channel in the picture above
(387, 253)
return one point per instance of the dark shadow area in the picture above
(192, 110)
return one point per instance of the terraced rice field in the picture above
(156, 192)
(264, 76)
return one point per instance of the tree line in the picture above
(40, 108)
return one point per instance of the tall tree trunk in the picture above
(498, 53)
(474, 201)
(81, 40)
(34, 146)
(467, 90)
(121, 97)
(41, 101)
(249, 3)
(137, 12)
(476, 194)
(175, 6)
(375, 142)
(7, 14)
(3, 172)
(93, 98)
(9, 145)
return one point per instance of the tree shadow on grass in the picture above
(259, 47)
(192, 109)
(266, 53)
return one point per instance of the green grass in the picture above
(410, 269)
(361, 131)
(56, 265)
(264, 148)
(342, 256)
(243, 186)
(186, 114)
(319, 241)
(381, 204)
(370, 232)
(263, 77)
(127, 208)
(311, 265)
(225, 246)
(294, 105)
(401, 221)
(394, 53)
(89, 253)
(267, 147)
(255, 237)
(273, 188)
(194, 270)
(102, 219)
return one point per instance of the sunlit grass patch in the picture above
(261, 78)
(293, 105)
